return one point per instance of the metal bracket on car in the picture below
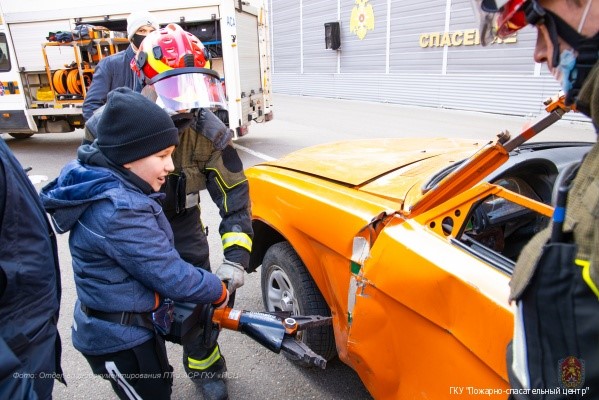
(357, 282)
(360, 253)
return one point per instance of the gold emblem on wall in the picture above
(362, 19)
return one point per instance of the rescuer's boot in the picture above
(213, 388)
(208, 373)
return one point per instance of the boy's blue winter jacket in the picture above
(122, 249)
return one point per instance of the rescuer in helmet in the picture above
(555, 282)
(175, 68)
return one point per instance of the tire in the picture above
(288, 286)
(21, 135)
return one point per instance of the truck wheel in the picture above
(21, 135)
(288, 286)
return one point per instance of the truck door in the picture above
(13, 119)
(249, 66)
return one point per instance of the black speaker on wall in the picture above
(332, 35)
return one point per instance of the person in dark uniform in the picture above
(114, 71)
(174, 67)
(555, 284)
(30, 288)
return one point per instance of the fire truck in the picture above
(48, 51)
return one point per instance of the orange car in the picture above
(399, 241)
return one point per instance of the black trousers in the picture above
(192, 245)
(141, 372)
(190, 238)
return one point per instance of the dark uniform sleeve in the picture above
(2, 203)
(229, 189)
(98, 90)
(209, 125)
(2, 192)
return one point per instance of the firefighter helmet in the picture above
(501, 18)
(176, 65)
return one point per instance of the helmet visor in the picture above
(499, 18)
(188, 91)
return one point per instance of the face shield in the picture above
(188, 88)
(503, 18)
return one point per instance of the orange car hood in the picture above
(389, 168)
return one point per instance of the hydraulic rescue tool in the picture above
(487, 159)
(276, 331)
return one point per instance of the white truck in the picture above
(43, 81)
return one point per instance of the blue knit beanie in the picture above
(132, 127)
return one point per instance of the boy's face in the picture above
(154, 169)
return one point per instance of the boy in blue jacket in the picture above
(121, 243)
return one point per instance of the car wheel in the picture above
(288, 286)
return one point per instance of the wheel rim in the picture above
(280, 292)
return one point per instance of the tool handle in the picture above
(231, 301)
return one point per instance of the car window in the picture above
(4, 54)
(497, 228)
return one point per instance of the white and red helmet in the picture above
(503, 18)
(176, 65)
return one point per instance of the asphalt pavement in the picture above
(301, 121)
(255, 372)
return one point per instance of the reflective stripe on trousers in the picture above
(206, 363)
